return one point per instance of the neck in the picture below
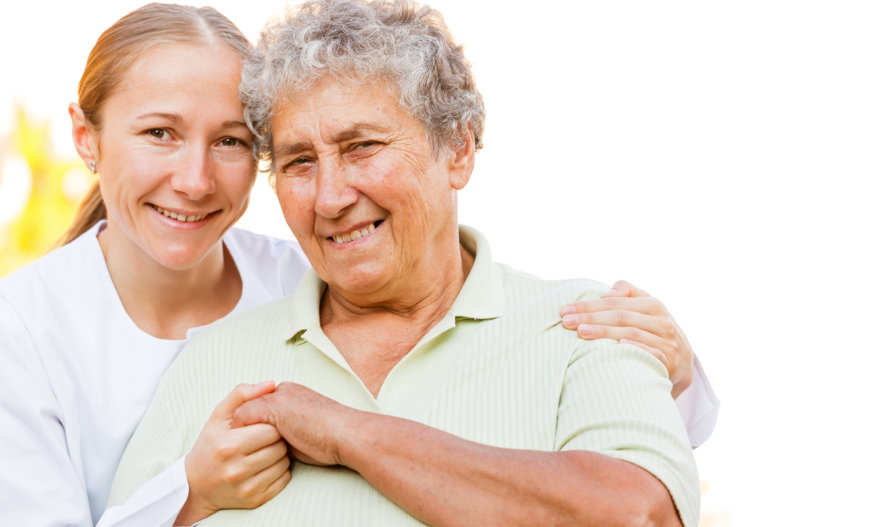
(374, 337)
(418, 300)
(165, 302)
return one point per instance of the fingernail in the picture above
(570, 320)
(586, 330)
(567, 309)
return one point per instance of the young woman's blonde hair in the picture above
(118, 47)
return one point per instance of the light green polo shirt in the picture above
(499, 369)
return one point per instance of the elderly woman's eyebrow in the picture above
(290, 149)
(358, 130)
(355, 131)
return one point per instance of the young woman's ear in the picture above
(85, 141)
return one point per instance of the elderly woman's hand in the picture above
(312, 424)
(630, 315)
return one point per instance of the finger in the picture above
(279, 484)
(625, 289)
(264, 485)
(592, 332)
(620, 289)
(618, 318)
(246, 440)
(265, 457)
(255, 411)
(647, 304)
(239, 395)
(305, 459)
(652, 351)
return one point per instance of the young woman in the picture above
(87, 331)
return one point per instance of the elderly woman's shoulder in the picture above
(522, 289)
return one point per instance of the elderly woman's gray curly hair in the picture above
(406, 44)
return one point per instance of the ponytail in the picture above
(90, 212)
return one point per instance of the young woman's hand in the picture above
(234, 467)
(630, 315)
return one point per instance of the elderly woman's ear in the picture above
(461, 162)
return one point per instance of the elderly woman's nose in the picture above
(334, 192)
(194, 175)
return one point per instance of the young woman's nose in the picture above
(194, 177)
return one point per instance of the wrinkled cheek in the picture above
(300, 218)
(287, 203)
(295, 217)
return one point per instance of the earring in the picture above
(92, 167)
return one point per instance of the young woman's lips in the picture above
(183, 219)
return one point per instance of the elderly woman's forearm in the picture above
(445, 480)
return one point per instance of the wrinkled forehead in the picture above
(336, 108)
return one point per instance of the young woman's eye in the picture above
(157, 133)
(231, 142)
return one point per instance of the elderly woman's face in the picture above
(361, 188)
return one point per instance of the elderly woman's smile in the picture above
(353, 234)
(367, 196)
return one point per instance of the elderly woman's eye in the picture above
(295, 164)
(364, 148)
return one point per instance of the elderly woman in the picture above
(425, 383)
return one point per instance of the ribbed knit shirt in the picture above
(498, 369)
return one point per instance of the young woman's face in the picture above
(174, 155)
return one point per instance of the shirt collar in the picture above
(480, 298)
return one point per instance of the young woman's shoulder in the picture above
(53, 274)
(267, 262)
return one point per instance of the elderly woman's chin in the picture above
(366, 278)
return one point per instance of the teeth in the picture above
(355, 235)
(179, 217)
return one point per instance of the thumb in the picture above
(253, 412)
(239, 395)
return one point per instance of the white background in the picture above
(732, 158)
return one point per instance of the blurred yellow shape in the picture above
(49, 208)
